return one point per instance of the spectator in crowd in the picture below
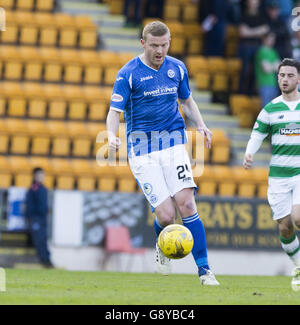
(252, 27)
(285, 8)
(280, 28)
(154, 8)
(36, 212)
(267, 61)
(214, 24)
(136, 20)
(235, 12)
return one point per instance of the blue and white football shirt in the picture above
(148, 98)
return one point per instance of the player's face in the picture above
(156, 48)
(253, 4)
(39, 177)
(288, 79)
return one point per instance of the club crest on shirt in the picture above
(153, 198)
(171, 73)
(147, 188)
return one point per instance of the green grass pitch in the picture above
(58, 287)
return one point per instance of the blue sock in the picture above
(157, 227)
(199, 251)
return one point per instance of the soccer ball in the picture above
(175, 241)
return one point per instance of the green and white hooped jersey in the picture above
(281, 119)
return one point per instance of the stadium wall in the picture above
(222, 262)
(242, 237)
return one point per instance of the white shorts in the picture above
(283, 194)
(161, 174)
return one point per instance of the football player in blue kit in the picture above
(146, 90)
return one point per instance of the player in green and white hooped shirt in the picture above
(281, 119)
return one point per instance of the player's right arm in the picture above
(112, 125)
(119, 98)
(260, 131)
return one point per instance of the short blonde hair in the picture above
(155, 28)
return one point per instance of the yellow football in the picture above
(175, 241)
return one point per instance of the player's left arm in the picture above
(191, 110)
